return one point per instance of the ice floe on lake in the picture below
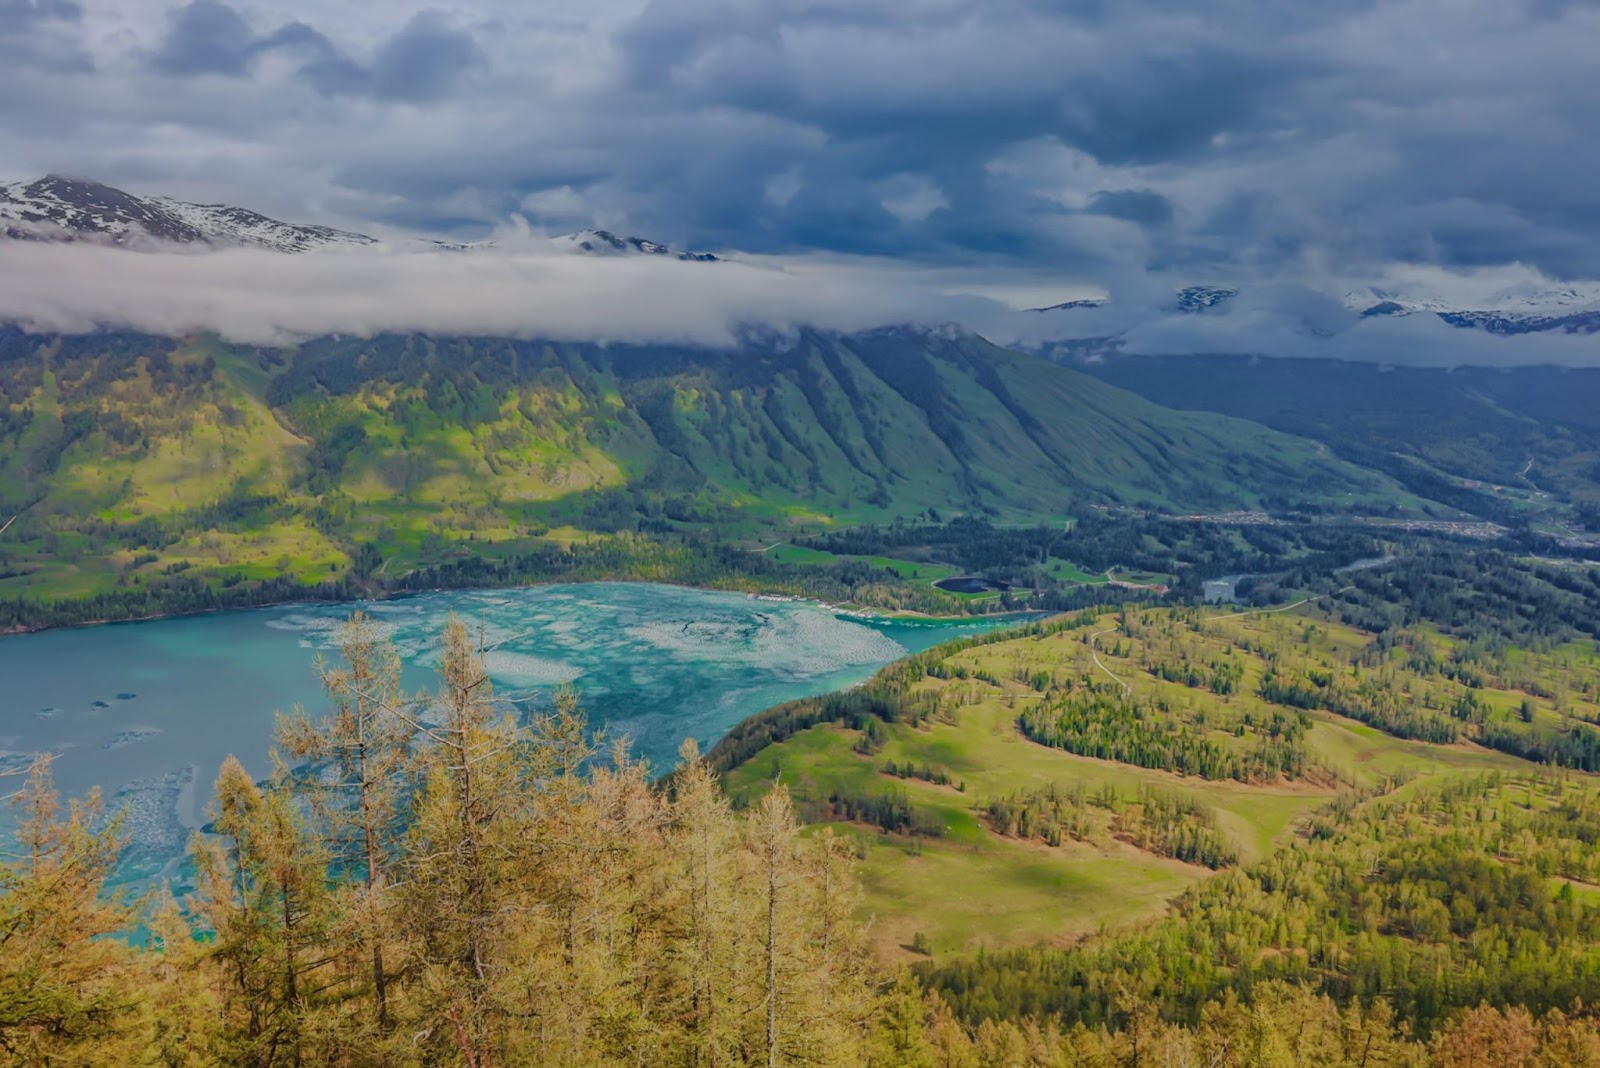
(131, 737)
(528, 670)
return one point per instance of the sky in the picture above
(1028, 152)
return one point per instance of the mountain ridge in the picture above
(1508, 441)
(56, 208)
(63, 209)
(128, 454)
(1570, 309)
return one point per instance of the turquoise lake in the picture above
(146, 711)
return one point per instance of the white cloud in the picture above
(522, 289)
(783, 187)
(564, 202)
(911, 198)
(527, 286)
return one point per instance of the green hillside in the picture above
(1177, 805)
(130, 459)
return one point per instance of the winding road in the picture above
(1127, 691)
(1284, 607)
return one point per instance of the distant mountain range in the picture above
(1497, 442)
(1187, 299)
(55, 208)
(606, 243)
(1567, 309)
(72, 209)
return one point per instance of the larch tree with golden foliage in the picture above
(67, 994)
(265, 900)
(360, 756)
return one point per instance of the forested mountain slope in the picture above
(1528, 429)
(129, 458)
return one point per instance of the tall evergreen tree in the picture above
(264, 893)
(703, 839)
(459, 878)
(772, 835)
(358, 781)
(67, 992)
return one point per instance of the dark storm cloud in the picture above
(1131, 145)
(21, 14)
(1472, 114)
(42, 34)
(205, 37)
(1135, 205)
(422, 61)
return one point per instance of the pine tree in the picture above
(187, 989)
(464, 830)
(584, 843)
(1485, 1037)
(264, 894)
(358, 780)
(901, 1036)
(772, 836)
(67, 988)
(614, 871)
(702, 842)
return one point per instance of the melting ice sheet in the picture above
(146, 711)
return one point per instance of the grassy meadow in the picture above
(965, 886)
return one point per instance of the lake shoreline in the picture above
(147, 714)
(311, 597)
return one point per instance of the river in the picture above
(147, 710)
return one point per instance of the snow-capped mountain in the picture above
(1570, 309)
(606, 243)
(223, 224)
(1187, 299)
(581, 243)
(73, 209)
(1199, 298)
(1068, 305)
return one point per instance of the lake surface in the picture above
(146, 711)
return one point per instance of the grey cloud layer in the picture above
(1226, 141)
(420, 62)
(915, 148)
